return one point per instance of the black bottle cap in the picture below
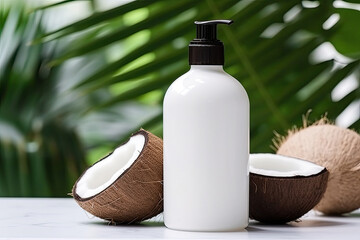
(206, 49)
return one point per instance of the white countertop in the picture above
(34, 218)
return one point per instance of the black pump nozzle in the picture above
(206, 49)
(207, 29)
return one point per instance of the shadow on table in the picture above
(142, 224)
(353, 215)
(301, 223)
(347, 215)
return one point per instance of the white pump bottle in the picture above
(206, 142)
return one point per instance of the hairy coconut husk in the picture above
(337, 149)
(137, 194)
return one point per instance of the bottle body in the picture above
(206, 151)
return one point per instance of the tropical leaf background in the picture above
(70, 94)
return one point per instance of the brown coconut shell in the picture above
(137, 194)
(279, 200)
(337, 149)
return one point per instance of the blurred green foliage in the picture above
(82, 89)
(41, 153)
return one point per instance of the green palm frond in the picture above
(41, 153)
(268, 49)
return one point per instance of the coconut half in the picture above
(126, 185)
(282, 189)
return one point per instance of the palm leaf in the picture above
(41, 155)
(275, 70)
(95, 19)
(156, 17)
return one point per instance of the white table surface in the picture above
(36, 218)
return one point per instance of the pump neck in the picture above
(206, 53)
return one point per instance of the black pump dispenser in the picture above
(206, 49)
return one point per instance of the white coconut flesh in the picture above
(275, 165)
(105, 172)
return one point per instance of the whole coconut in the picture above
(337, 149)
